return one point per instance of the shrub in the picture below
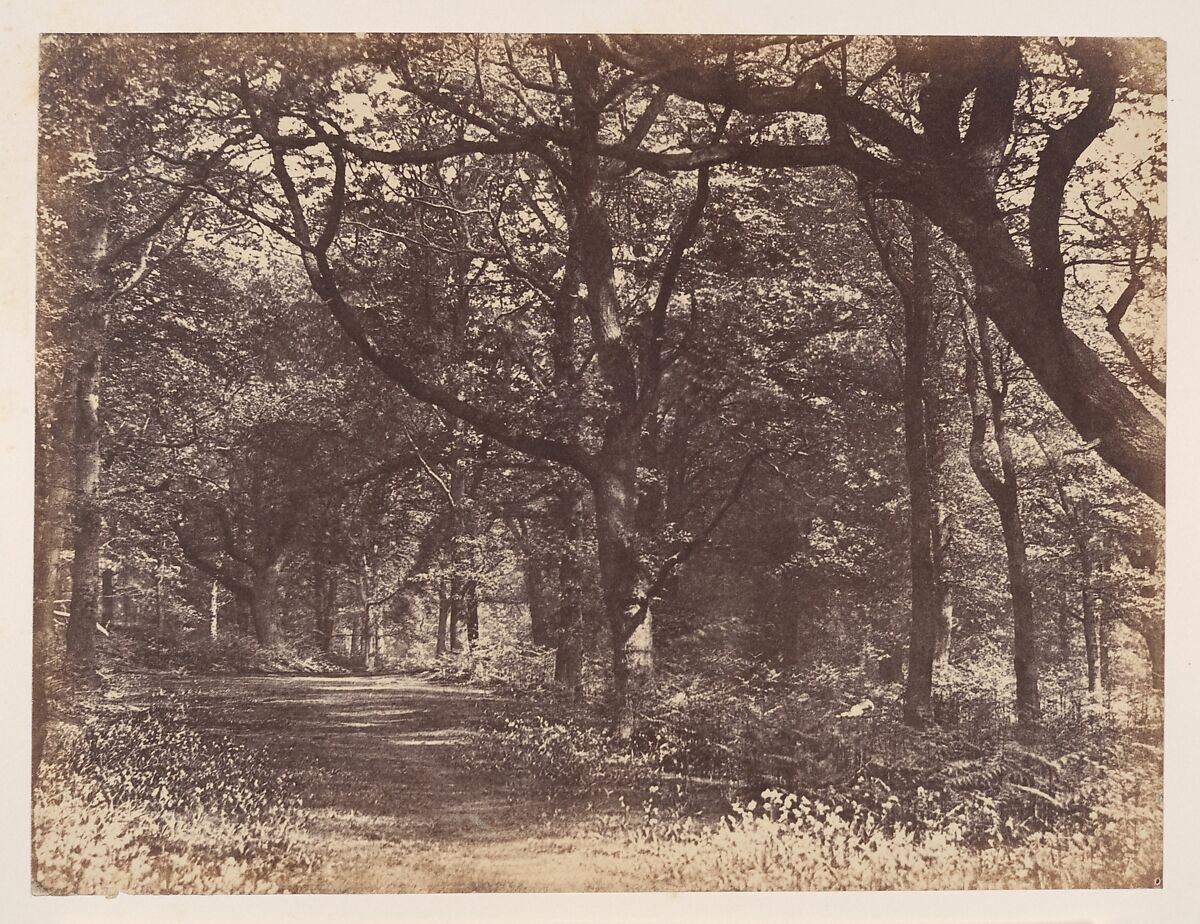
(566, 754)
(229, 653)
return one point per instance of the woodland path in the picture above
(392, 798)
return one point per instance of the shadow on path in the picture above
(396, 748)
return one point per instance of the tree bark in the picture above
(214, 608)
(926, 608)
(107, 599)
(1091, 643)
(1102, 642)
(1005, 494)
(1131, 438)
(85, 568)
(325, 588)
(456, 611)
(53, 474)
(538, 594)
(1156, 652)
(365, 622)
(945, 632)
(471, 605)
(160, 575)
(443, 617)
(569, 617)
(263, 615)
(632, 650)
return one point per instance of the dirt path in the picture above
(391, 795)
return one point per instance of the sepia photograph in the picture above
(475, 462)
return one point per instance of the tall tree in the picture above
(1004, 490)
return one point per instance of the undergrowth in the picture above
(143, 802)
(832, 790)
(230, 653)
(782, 841)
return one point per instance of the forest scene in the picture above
(479, 462)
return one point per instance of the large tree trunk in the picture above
(926, 608)
(1156, 652)
(263, 615)
(1129, 437)
(632, 643)
(85, 568)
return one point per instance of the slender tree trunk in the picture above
(356, 639)
(214, 608)
(1025, 654)
(329, 612)
(926, 609)
(471, 604)
(370, 644)
(1005, 494)
(542, 631)
(160, 573)
(325, 587)
(107, 600)
(443, 617)
(1063, 623)
(1102, 642)
(456, 611)
(53, 508)
(1091, 646)
(945, 631)
(366, 634)
(85, 568)
(569, 619)
(942, 531)
(373, 626)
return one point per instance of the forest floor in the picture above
(394, 802)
